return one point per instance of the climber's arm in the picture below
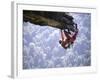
(62, 35)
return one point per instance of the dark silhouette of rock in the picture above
(59, 20)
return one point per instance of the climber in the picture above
(68, 39)
(71, 37)
(65, 41)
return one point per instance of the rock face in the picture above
(59, 20)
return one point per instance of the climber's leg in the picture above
(67, 35)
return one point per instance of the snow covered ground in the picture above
(41, 48)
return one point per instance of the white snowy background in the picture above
(41, 48)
